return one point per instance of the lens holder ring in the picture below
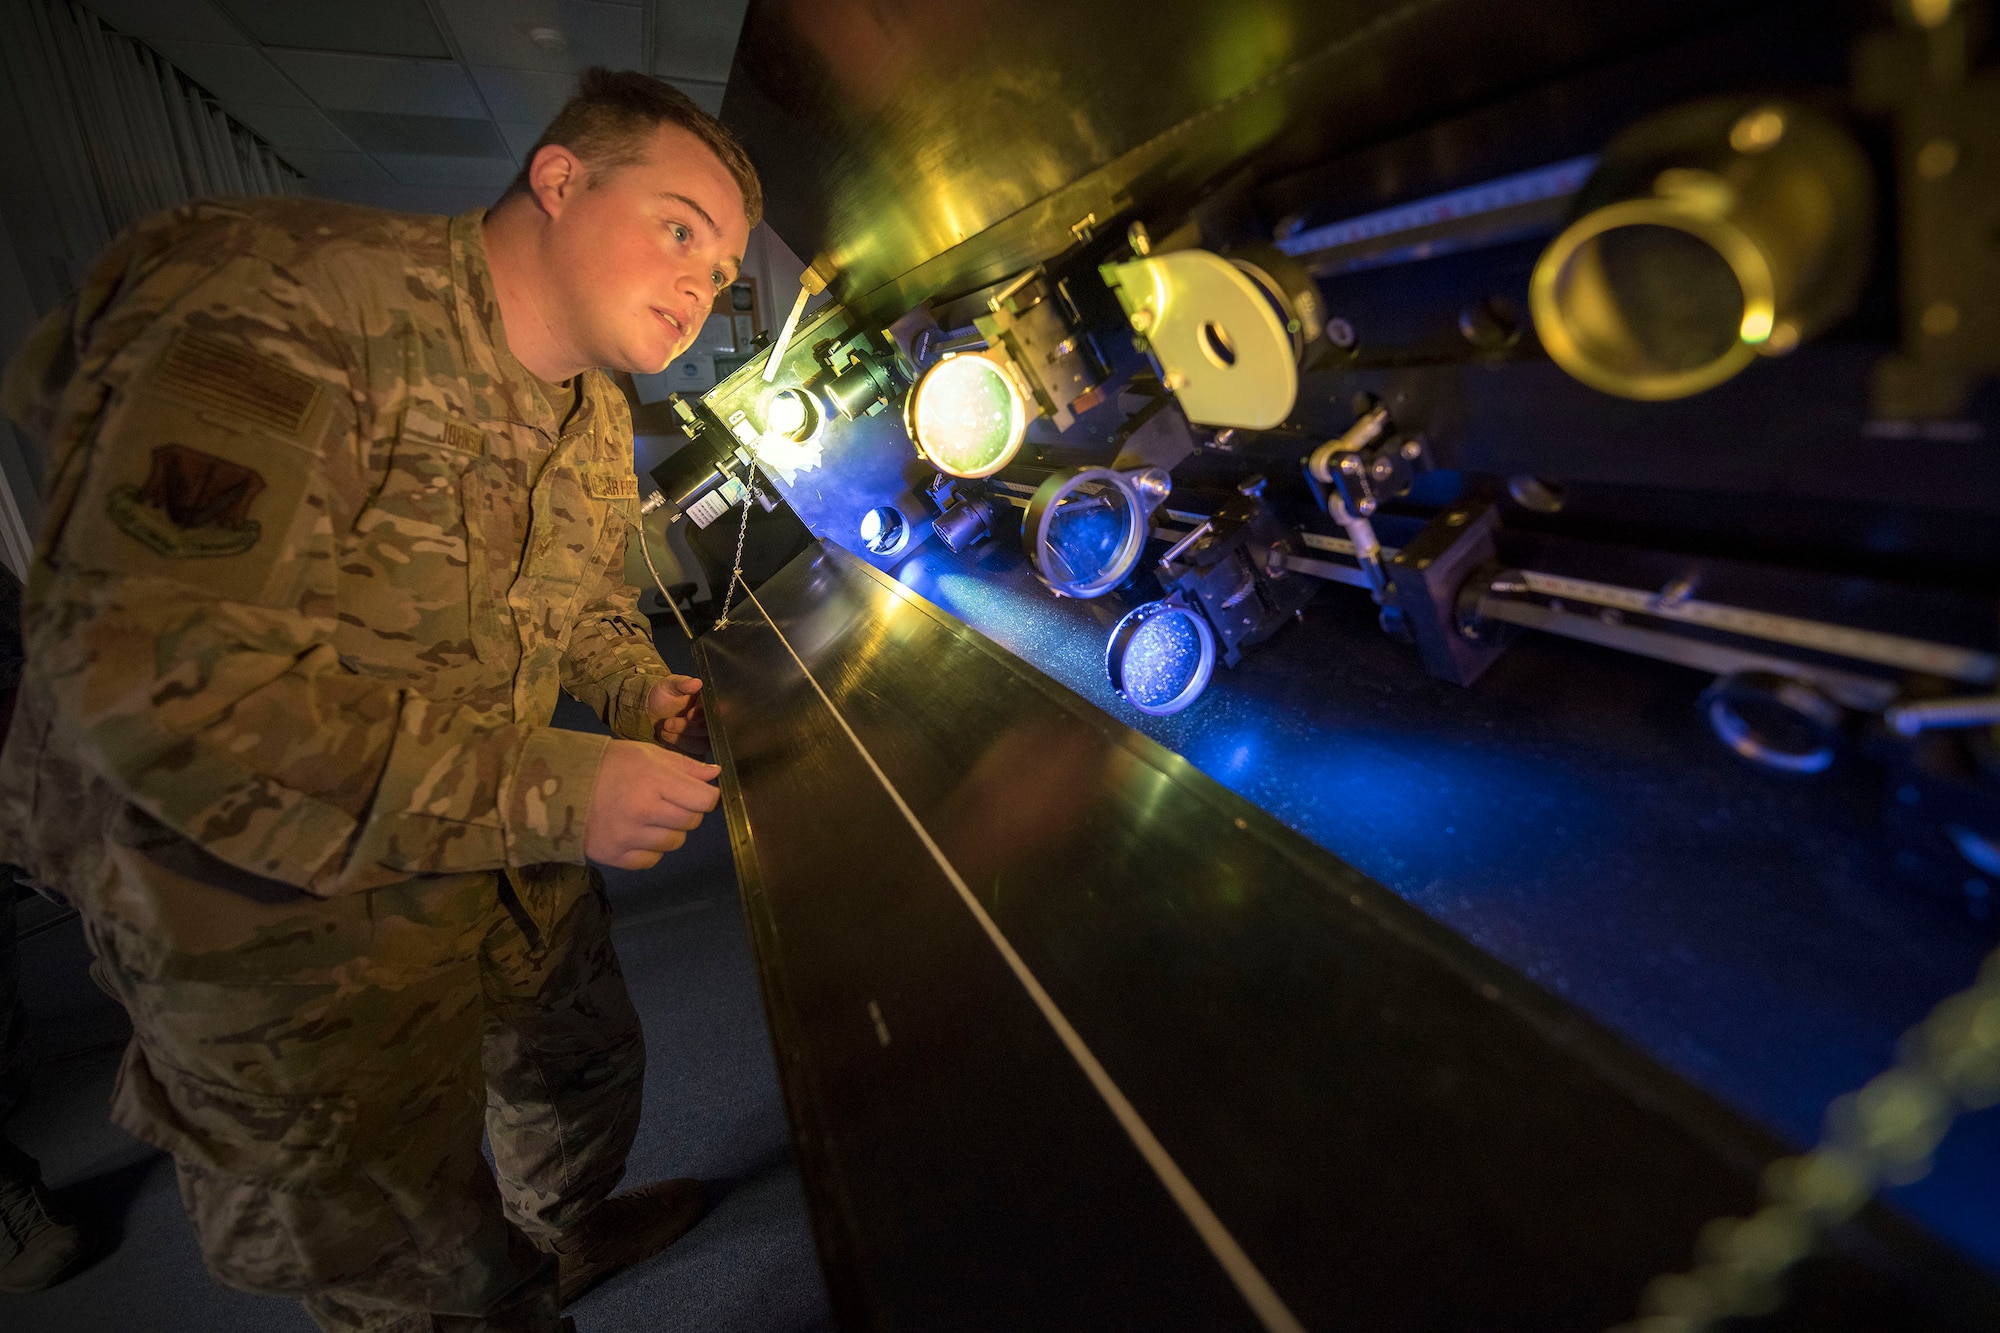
(1120, 643)
(1746, 261)
(1017, 426)
(1042, 508)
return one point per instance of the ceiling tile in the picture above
(292, 127)
(440, 136)
(524, 95)
(589, 32)
(521, 135)
(232, 73)
(380, 27)
(422, 169)
(382, 83)
(696, 39)
(182, 20)
(335, 168)
(707, 96)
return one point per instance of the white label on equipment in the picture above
(707, 509)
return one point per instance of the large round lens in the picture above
(966, 416)
(1086, 527)
(1086, 534)
(1160, 657)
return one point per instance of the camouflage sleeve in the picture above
(32, 388)
(184, 612)
(611, 663)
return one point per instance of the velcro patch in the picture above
(427, 424)
(192, 504)
(226, 378)
(610, 481)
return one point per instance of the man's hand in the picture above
(647, 801)
(678, 721)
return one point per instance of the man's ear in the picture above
(554, 176)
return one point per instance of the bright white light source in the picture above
(882, 530)
(791, 414)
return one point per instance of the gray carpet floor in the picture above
(712, 1111)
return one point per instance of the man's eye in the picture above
(681, 233)
(719, 278)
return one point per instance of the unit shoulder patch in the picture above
(192, 505)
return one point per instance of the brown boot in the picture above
(624, 1229)
(38, 1246)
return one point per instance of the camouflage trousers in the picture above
(322, 1069)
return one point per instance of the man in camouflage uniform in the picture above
(326, 534)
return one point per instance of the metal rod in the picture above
(1324, 569)
(785, 334)
(1937, 659)
(1866, 693)
(971, 340)
(1909, 719)
(1173, 552)
(665, 596)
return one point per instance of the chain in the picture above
(736, 574)
(1882, 1135)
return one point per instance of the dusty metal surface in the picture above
(1074, 1037)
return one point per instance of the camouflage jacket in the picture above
(318, 556)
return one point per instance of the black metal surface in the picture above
(1399, 1130)
(932, 149)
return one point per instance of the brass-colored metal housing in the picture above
(1709, 234)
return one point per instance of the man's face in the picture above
(638, 254)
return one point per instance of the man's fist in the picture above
(647, 801)
(675, 707)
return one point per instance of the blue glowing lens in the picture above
(1160, 657)
(1161, 660)
(1087, 534)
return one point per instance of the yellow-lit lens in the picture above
(967, 417)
